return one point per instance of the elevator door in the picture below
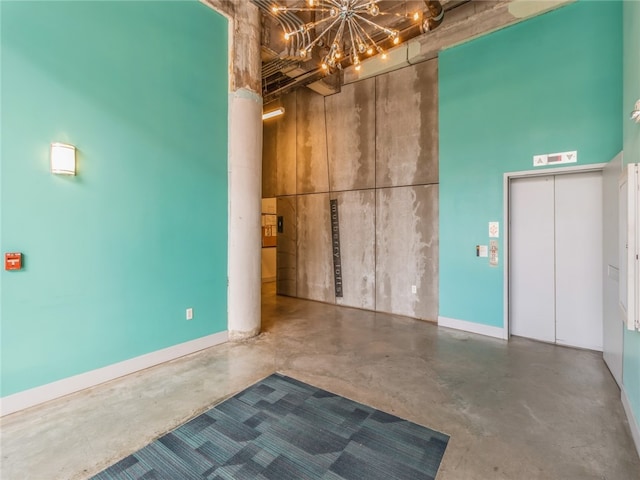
(555, 263)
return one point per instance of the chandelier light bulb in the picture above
(383, 54)
(370, 51)
(356, 61)
(374, 10)
(416, 16)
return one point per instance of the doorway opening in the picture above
(269, 240)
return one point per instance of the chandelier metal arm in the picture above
(361, 41)
(317, 39)
(365, 6)
(338, 38)
(302, 9)
(353, 43)
(308, 26)
(386, 30)
(373, 42)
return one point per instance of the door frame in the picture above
(506, 187)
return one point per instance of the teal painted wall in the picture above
(631, 55)
(549, 84)
(115, 255)
(631, 78)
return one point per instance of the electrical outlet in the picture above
(189, 313)
(414, 289)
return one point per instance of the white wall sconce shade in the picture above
(63, 158)
(273, 113)
(635, 114)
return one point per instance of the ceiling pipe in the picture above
(288, 21)
(433, 15)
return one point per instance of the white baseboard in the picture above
(631, 418)
(472, 327)
(35, 396)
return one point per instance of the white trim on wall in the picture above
(634, 426)
(35, 396)
(472, 327)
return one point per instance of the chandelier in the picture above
(355, 29)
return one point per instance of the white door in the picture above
(531, 258)
(555, 275)
(612, 341)
(578, 222)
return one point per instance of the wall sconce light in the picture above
(273, 113)
(635, 114)
(63, 158)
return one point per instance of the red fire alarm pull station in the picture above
(12, 261)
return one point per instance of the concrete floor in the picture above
(516, 410)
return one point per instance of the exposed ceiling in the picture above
(283, 69)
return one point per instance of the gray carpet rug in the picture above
(281, 429)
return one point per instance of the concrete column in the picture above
(245, 174)
(245, 168)
(245, 186)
